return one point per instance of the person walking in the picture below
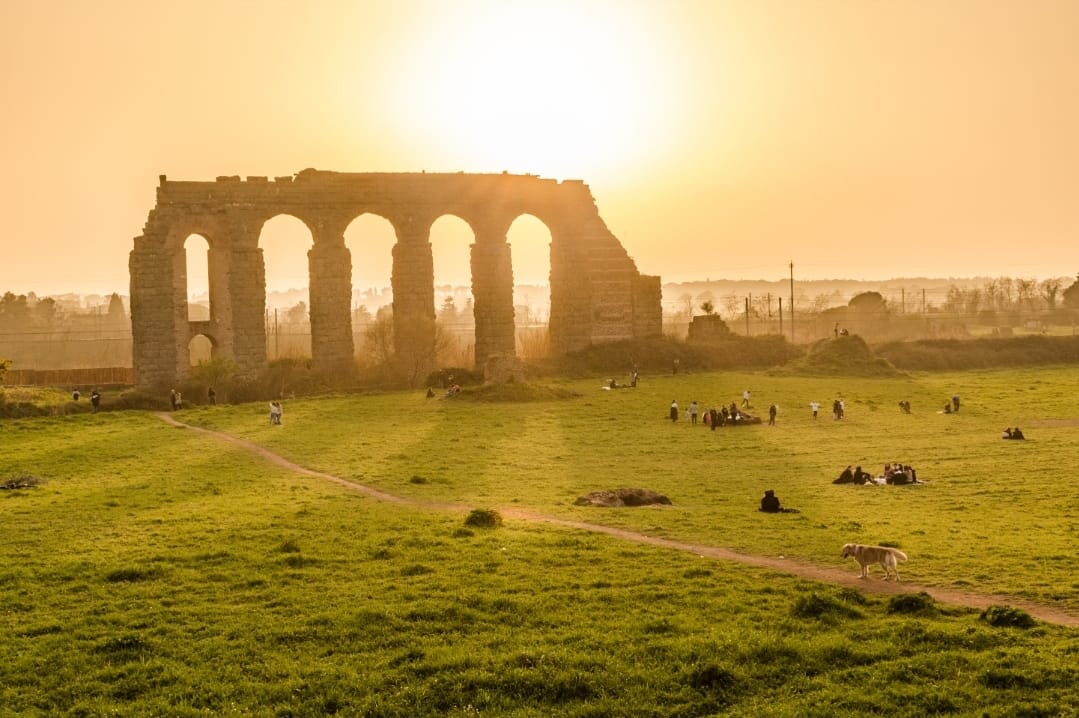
(674, 410)
(772, 415)
(745, 398)
(815, 406)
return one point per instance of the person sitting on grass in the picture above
(847, 477)
(770, 504)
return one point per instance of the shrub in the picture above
(912, 603)
(484, 518)
(817, 606)
(1007, 616)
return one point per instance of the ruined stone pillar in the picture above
(492, 288)
(153, 316)
(571, 296)
(330, 265)
(413, 282)
(247, 301)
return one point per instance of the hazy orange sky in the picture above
(721, 139)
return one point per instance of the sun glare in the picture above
(555, 89)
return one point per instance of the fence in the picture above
(107, 376)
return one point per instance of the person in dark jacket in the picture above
(770, 502)
(847, 477)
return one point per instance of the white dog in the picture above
(866, 555)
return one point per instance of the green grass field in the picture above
(161, 571)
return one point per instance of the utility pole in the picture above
(747, 316)
(904, 300)
(923, 300)
(781, 316)
(792, 302)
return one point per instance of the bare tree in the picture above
(732, 303)
(1025, 291)
(378, 339)
(1051, 290)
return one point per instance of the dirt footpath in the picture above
(808, 571)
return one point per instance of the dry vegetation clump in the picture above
(24, 481)
(623, 497)
(843, 356)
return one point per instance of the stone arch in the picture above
(201, 347)
(452, 238)
(285, 242)
(597, 294)
(369, 238)
(195, 273)
(529, 240)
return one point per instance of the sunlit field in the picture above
(161, 571)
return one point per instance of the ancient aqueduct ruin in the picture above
(597, 294)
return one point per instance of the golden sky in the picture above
(721, 138)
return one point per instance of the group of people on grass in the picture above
(732, 415)
(896, 474)
(1015, 433)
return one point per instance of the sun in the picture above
(559, 89)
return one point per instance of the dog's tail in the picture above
(898, 554)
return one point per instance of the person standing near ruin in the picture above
(173, 396)
(211, 396)
(95, 400)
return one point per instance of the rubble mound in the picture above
(623, 497)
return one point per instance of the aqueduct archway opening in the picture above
(596, 292)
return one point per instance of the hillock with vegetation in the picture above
(659, 355)
(842, 356)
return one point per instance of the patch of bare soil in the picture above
(812, 572)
